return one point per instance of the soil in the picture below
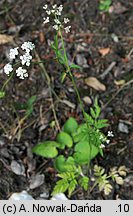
(102, 42)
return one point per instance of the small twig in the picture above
(50, 90)
(110, 67)
(120, 89)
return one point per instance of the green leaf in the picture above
(89, 119)
(104, 5)
(63, 165)
(82, 153)
(56, 41)
(84, 182)
(61, 186)
(94, 151)
(64, 139)
(97, 108)
(70, 126)
(31, 100)
(46, 149)
(101, 152)
(2, 94)
(75, 66)
(101, 123)
(82, 133)
(72, 187)
(93, 114)
(63, 76)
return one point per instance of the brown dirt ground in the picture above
(91, 31)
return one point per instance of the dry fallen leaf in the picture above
(95, 83)
(104, 51)
(87, 100)
(119, 82)
(5, 39)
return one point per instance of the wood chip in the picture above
(104, 51)
(4, 39)
(95, 84)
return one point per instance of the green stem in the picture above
(7, 81)
(71, 76)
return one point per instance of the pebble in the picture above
(123, 128)
(21, 196)
(36, 181)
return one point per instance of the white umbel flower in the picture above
(107, 141)
(28, 46)
(54, 6)
(102, 146)
(56, 27)
(45, 6)
(13, 53)
(66, 20)
(58, 13)
(46, 20)
(25, 59)
(21, 73)
(60, 8)
(67, 29)
(8, 69)
(48, 12)
(57, 21)
(110, 134)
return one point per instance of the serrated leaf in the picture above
(99, 126)
(84, 182)
(72, 66)
(72, 187)
(89, 119)
(46, 149)
(93, 114)
(64, 139)
(70, 126)
(97, 108)
(2, 94)
(61, 186)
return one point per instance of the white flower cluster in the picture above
(104, 139)
(56, 12)
(25, 59)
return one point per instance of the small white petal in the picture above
(107, 141)
(45, 7)
(48, 12)
(66, 20)
(28, 46)
(13, 53)
(8, 69)
(56, 27)
(21, 73)
(57, 21)
(102, 146)
(67, 29)
(46, 20)
(110, 134)
(54, 6)
(60, 8)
